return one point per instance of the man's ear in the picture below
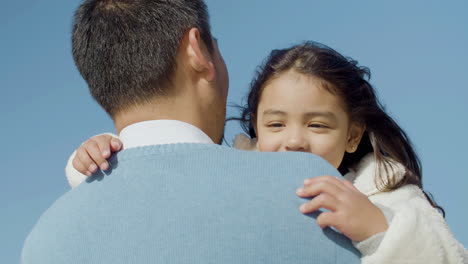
(198, 56)
(355, 133)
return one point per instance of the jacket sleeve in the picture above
(74, 177)
(417, 234)
(244, 142)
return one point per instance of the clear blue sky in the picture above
(417, 51)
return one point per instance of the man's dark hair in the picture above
(126, 49)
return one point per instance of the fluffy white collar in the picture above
(364, 175)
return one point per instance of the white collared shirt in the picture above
(158, 132)
(154, 132)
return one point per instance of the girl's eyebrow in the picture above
(326, 114)
(274, 112)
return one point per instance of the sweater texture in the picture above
(190, 203)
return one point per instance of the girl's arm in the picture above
(92, 154)
(417, 233)
(414, 231)
(90, 157)
(244, 142)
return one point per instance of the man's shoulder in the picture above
(215, 157)
(215, 166)
(223, 198)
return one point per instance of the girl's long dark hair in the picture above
(343, 77)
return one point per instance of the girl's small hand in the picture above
(94, 152)
(350, 211)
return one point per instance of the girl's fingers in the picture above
(337, 181)
(83, 162)
(95, 154)
(116, 144)
(104, 144)
(78, 165)
(327, 219)
(316, 179)
(329, 186)
(323, 200)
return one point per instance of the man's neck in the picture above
(170, 109)
(158, 132)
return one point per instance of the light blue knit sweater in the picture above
(189, 203)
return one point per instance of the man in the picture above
(155, 68)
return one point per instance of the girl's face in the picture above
(296, 114)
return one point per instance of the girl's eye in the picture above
(318, 126)
(275, 125)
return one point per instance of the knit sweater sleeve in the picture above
(416, 234)
(74, 177)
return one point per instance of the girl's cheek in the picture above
(329, 148)
(268, 144)
(264, 147)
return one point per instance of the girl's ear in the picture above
(355, 133)
(198, 56)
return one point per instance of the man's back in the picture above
(190, 203)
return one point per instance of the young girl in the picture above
(310, 98)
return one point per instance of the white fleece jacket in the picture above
(417, 233)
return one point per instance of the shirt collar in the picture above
(158, 132)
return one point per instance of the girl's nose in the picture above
(296, 143)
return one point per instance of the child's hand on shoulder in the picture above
(350, 211)
(92, 154)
